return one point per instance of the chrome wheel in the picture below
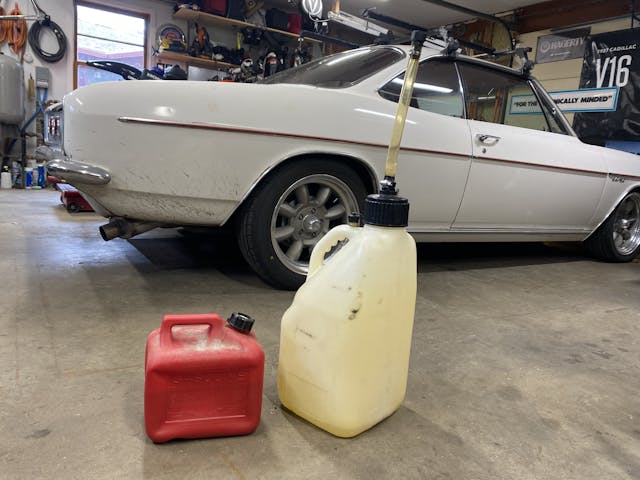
(307, 210)
(288, 213)
(626, 225)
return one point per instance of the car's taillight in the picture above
(54, 126)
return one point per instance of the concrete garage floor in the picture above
(525, 361)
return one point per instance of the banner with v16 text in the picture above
(612, 60)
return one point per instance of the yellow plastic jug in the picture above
(346, 338)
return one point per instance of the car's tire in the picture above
(289, 211)
(618, 238)
(73, 207)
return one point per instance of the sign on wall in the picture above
(612, 60)
(561, 46)
(584, 100)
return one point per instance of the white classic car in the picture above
(285, 160)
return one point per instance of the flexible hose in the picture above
(401, 114)
(17, 33)
(5, 25)
(40, 104)
(36, 30)
(34, 40)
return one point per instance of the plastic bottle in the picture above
(41, 175)
(5, 178)
(16, 172)
(346, 339)
(28, 177)
(34, 178)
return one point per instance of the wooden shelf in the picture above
(173, 57)
(216, 20)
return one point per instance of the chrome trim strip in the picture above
(458, 236)
(221, 128)
(516, 230)
(500, 230)
(539, 165)
(77, 172)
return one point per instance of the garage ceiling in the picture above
(425, 14)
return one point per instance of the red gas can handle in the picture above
(170, 321)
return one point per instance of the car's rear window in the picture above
(341, 69)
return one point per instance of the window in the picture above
(341, 69)
(436, 89)
(500, 97)
(104, 33)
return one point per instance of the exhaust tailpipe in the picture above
(122, 228)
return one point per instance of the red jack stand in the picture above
(70, 197)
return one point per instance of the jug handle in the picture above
(170, 321)
(326, 243)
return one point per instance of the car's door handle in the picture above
(488, 140)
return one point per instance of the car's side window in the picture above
(436, 89)
(501, 97)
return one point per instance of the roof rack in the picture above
(446, 35)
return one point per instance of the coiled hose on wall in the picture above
(35, 33)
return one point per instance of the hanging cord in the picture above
(40, 104)
(17, 33)
(44, 21)
(5, 25)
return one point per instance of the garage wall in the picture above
(555, 76)
(62, 13)
(565, 75)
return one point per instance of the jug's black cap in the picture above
(240, 322)
(386, 210)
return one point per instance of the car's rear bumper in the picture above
(75, 172)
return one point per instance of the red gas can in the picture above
(203, 377)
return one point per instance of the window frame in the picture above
(547, 107)
(286, 76)
(122, 11)
(431, 59)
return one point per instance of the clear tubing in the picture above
(401, 114)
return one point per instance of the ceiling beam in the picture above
(565, 13)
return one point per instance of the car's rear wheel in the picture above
(618, 238)
(290, 211)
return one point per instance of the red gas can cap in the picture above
(240, 322)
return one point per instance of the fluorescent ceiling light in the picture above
(425, 86)
(357, 23)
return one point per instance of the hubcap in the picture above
(304, 213)
(626, 225)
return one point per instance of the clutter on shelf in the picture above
(263, 35)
